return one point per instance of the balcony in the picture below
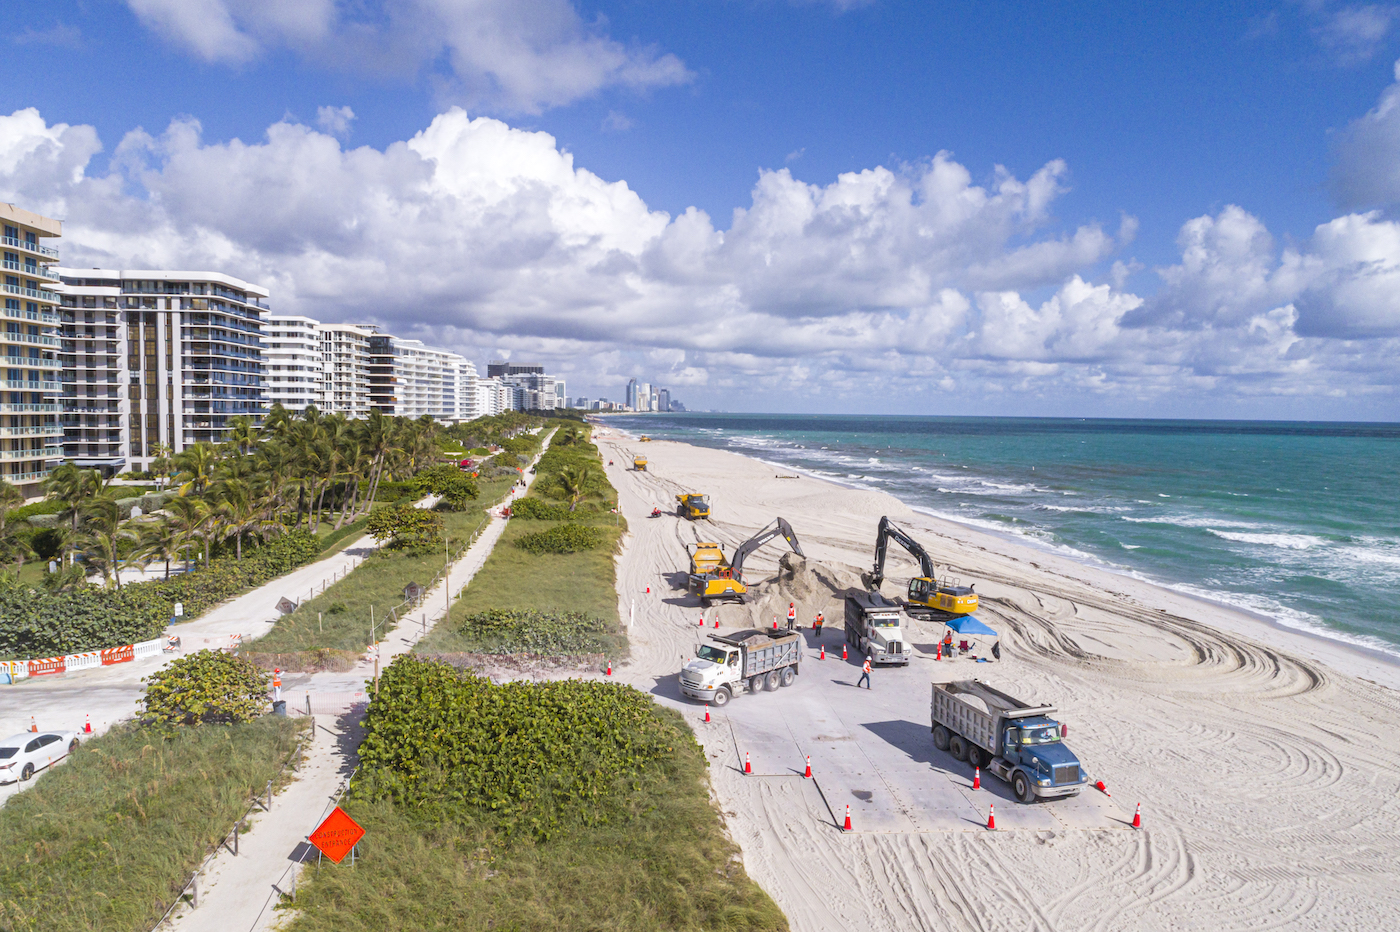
(28, 409)
(37, 271)
(45, 453)
(38, 294)
(44, 430)
(22, 385)
(45, 318)
(27, 246)
(15, 477)
(10, 336)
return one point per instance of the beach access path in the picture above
(1267, 767)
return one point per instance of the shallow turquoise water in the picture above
(1296, 521)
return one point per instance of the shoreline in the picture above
(1374, 664)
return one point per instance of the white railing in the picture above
(29, 247)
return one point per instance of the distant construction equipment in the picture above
(928, 597)
(692, 505)
(639, 463)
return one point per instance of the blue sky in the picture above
(1248, 120)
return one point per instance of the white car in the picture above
(29, 751)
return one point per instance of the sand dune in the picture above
(1267, 761)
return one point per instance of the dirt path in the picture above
(1268, 779)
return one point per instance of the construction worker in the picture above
(276, 685)
(792, 615)
(864, 674)
(817, 624)
(948, 644)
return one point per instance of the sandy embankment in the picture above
(1267, 766)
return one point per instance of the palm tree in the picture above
(197, 465)
(239, 512)
(103, 533)
(242, 434)
(11, 544)
(75, 487)
(573, 480)
(157, 539)
(190, 519)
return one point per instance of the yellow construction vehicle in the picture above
(692, 505)
(639, 463)
(645, 439)
(726, 580)
(928, 597)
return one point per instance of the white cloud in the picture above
(1353, 34)
(901, 282)
(515, 55)
(1367, 171)
(335, 120)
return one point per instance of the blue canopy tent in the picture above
(970, 626)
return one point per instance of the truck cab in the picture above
(875, 626)
(1035, 746)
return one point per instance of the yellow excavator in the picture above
(692, 505)
(713, 577)
(928, 597)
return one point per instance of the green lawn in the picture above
(106, 840)
(339, 618)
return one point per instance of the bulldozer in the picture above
(712, 577)
(928, 597)
(639, 463)
(692, 505)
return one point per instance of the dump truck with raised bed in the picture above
(1022, 744)
(726, 580)
(875, 627)
(761, 659)
(692, 505)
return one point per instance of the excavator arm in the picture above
(888, 530)
(779, 527)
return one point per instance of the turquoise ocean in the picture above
(1298, 522)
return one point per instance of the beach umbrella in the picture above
(970, 625)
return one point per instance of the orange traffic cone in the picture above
(775, 622)
(992, 816)
(1137, 816)
(648, 590)
(809, 766)
(716, 622)
(707, 714)
(609, 673)
(702, 621)
(976, 778)
(843, 652)
(848, 818)
(823, 652)
(87, 724)
(939, 654)
(33, 726)
(747, 767)
(1102, 789)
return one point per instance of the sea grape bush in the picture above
(499, 631)
(532, 758)
(206, 688)
(563, 538)
(405, 527)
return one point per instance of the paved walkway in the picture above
(238, 893)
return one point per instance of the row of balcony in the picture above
(15, 478)
(44, 430)
(29, 386)
(15, 361)
(38, 271)
(41, 453)
(43, 317)
(38, 294)
(6, 408)
(29, 247)
(11, 336)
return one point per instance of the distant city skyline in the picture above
(848, 206)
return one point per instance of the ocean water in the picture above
(1298, 522)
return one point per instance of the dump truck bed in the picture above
(950, 708)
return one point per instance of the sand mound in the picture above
(812, 586)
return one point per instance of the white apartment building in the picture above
(294, 362)
(30, 431)
(492, 397)
(345, 369)
(466, 391)
(183, 350)
(410, 379)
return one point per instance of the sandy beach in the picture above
(1266, 761)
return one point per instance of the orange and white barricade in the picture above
(123, 654)
(47, 665)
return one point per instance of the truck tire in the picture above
(787, 676)
(957, 746)
(940, 737)
(755, 684)
(975, 755)
(1023, 788)
(721, 697)
(770, 682)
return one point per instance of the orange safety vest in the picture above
(792, 613)
(865, 668)
(277, 678)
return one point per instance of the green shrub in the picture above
(563, 538)
(532, 756)
(207, 688)
(405, 527)
(540, 510)
(496, 631)
(335, 537)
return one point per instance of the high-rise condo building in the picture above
(295, 362)
(345, 369)
(183, 350)
(30, 433)
(409, 379)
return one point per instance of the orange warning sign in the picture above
(337, 835)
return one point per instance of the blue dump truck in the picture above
(1019, 743)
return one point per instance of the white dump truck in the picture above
(762, 659)
(1018, 742)
(875, 627)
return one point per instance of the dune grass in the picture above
(107, 839)
(663, 863)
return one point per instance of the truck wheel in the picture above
(957, 746)
(721, 696)
(940, 737)
(786, 677)
(770, 682)
(1021, 786)
(974, 755)
(755, 684)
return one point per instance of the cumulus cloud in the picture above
(1353, 34)
(904, 281)
(514, 55)
(1367, 170)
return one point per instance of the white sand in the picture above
(1267, 761)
